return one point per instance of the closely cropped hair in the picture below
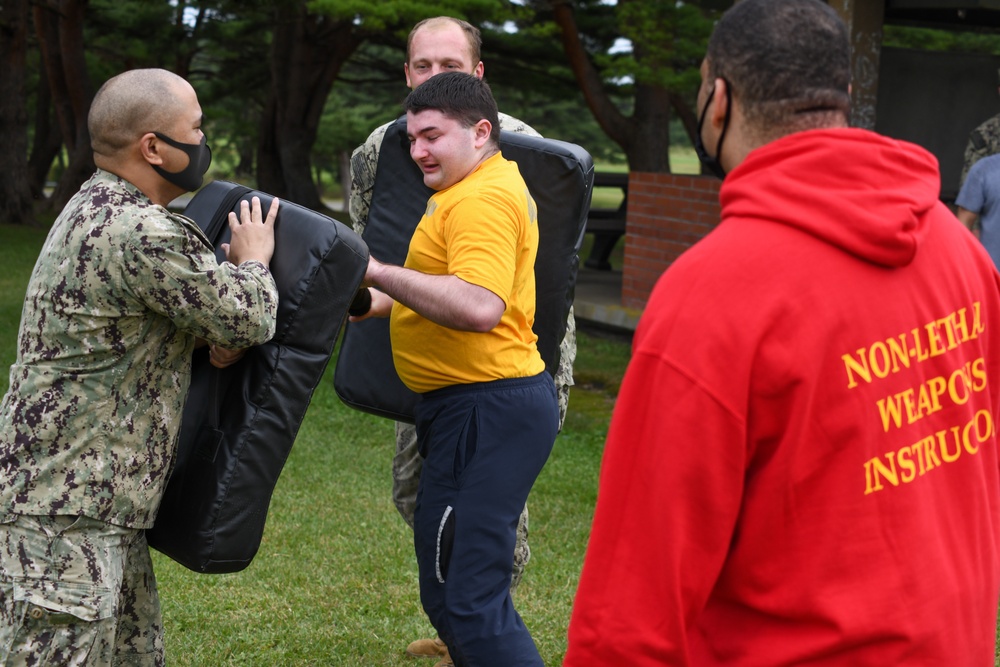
(471, 33)
(459, 96)
(129, 105)
(787, 62)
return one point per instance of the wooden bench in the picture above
(606, 224)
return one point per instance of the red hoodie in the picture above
(802, 465)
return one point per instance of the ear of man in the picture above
(149, 148)
(483, 132)
(720, 102)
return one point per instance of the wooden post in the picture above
(864, 20)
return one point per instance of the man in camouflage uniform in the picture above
(983, 142)
(121, 292)
(436, 45)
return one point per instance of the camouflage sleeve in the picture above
(511, 124)
(983, 142)
(364, 161)
(170, 269)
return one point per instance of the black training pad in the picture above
(560, 177)
(240, 422)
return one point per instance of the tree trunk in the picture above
(269, 175)
(59, 26)
(46, 143)
(645, 136)
(187, 49)
(15, 192)
(612, 121)
(650, 149)
(308, 51)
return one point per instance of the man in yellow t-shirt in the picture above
(461, 309)
(435, 45)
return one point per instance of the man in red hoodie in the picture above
(802, 465)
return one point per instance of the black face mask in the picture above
(199, 157)
(713, 163)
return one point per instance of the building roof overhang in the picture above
(971, 15)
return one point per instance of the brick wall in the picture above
(667, 214)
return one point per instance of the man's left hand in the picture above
(220, 357)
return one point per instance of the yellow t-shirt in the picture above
(483, 229)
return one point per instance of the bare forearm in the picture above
(969, 219)
(446, 300)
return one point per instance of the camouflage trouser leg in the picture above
(406, 467)
(76, 591)
(564, 374)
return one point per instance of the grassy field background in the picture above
(335, 580)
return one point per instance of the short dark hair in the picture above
(787, 62)
(462, 97)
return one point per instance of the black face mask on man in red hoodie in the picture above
(712, 162)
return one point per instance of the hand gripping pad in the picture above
(240, 422)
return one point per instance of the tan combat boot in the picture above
(428, 648)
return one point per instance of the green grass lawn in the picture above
(335, 580)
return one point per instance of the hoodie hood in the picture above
(860, 191)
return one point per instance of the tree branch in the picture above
(611, 120)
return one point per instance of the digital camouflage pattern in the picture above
(407, 462)
(88, 428)
(120, 291)
(76, 591)
(983, 142)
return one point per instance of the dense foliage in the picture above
(290, 87)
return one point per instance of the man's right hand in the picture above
(252, 237)
(381, 306)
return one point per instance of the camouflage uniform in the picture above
(101, 570)
(88, 428)
(983, 142)
(407, 463)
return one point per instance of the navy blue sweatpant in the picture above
(483, 445)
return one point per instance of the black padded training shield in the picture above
(240, 423)
(560, 177)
